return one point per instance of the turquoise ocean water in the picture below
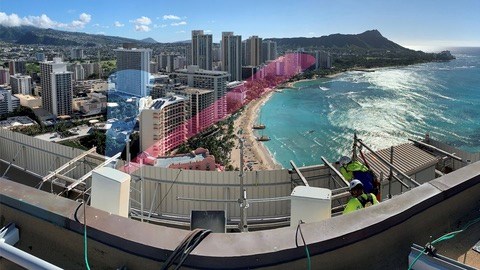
(385, 108)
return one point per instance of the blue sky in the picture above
(407, 22)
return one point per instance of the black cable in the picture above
(197, 241)
(168, 191)
(76, 212)
(188, 244)
(301, 234)
(307, 251)
(177, 250)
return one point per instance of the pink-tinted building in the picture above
(162, 124)
(199, 159)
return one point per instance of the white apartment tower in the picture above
(133, 70)
(202, 49)
(7, 102)
(232, 55)
(21, 84)
(57, 87)
(78, 71)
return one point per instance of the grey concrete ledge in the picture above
(247, 250)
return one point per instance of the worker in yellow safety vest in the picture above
(347, 167)
(359, 199)
(354, 169)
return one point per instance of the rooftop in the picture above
(26, 97)
(160, 103)
(193, 90)
(17, 121)
(165, 162)
(198, 71)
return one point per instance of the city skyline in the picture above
(440, 23)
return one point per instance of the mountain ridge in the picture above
(371, 39)
(29, 35)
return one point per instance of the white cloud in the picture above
(142, 28)
(43, 21)
(10, 20)
(179, 23)
(171, 17)
(159, 25)
(118, 24)
(142, 21)
(180, 32)
(96, 25)
(85, 18)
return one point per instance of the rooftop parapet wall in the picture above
(389, 228)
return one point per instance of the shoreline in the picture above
(254, 151)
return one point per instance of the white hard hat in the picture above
(355, 183)
(344, 160)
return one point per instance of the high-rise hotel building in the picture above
(232, 55)
(269, 50)
(21, 84)
(202, 49)
(216, 81)
(201, 109)
(162, 125)
(253, 51)
(133, 70)
(57, 87)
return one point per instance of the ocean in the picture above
(384, 108)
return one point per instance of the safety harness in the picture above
(364, 200)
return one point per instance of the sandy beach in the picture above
(254, 151)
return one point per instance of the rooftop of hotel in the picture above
(235, 83)
(196, 70)
(27, 97)
(165, 162)
(20, 76)
(17, 121)
(193, 90)
(160, 103)
(133, 49)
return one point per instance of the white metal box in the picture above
(111, 191)
(310, 204)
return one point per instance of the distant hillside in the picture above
(33, 35)
(367, 40)
(149, 40)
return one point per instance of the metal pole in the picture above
(390, 176)
(243, 226)
(23, 259)
(354, 148)
(127, 140)
(336, 172)
(141, 189)
(451, 155)
(153, 200)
